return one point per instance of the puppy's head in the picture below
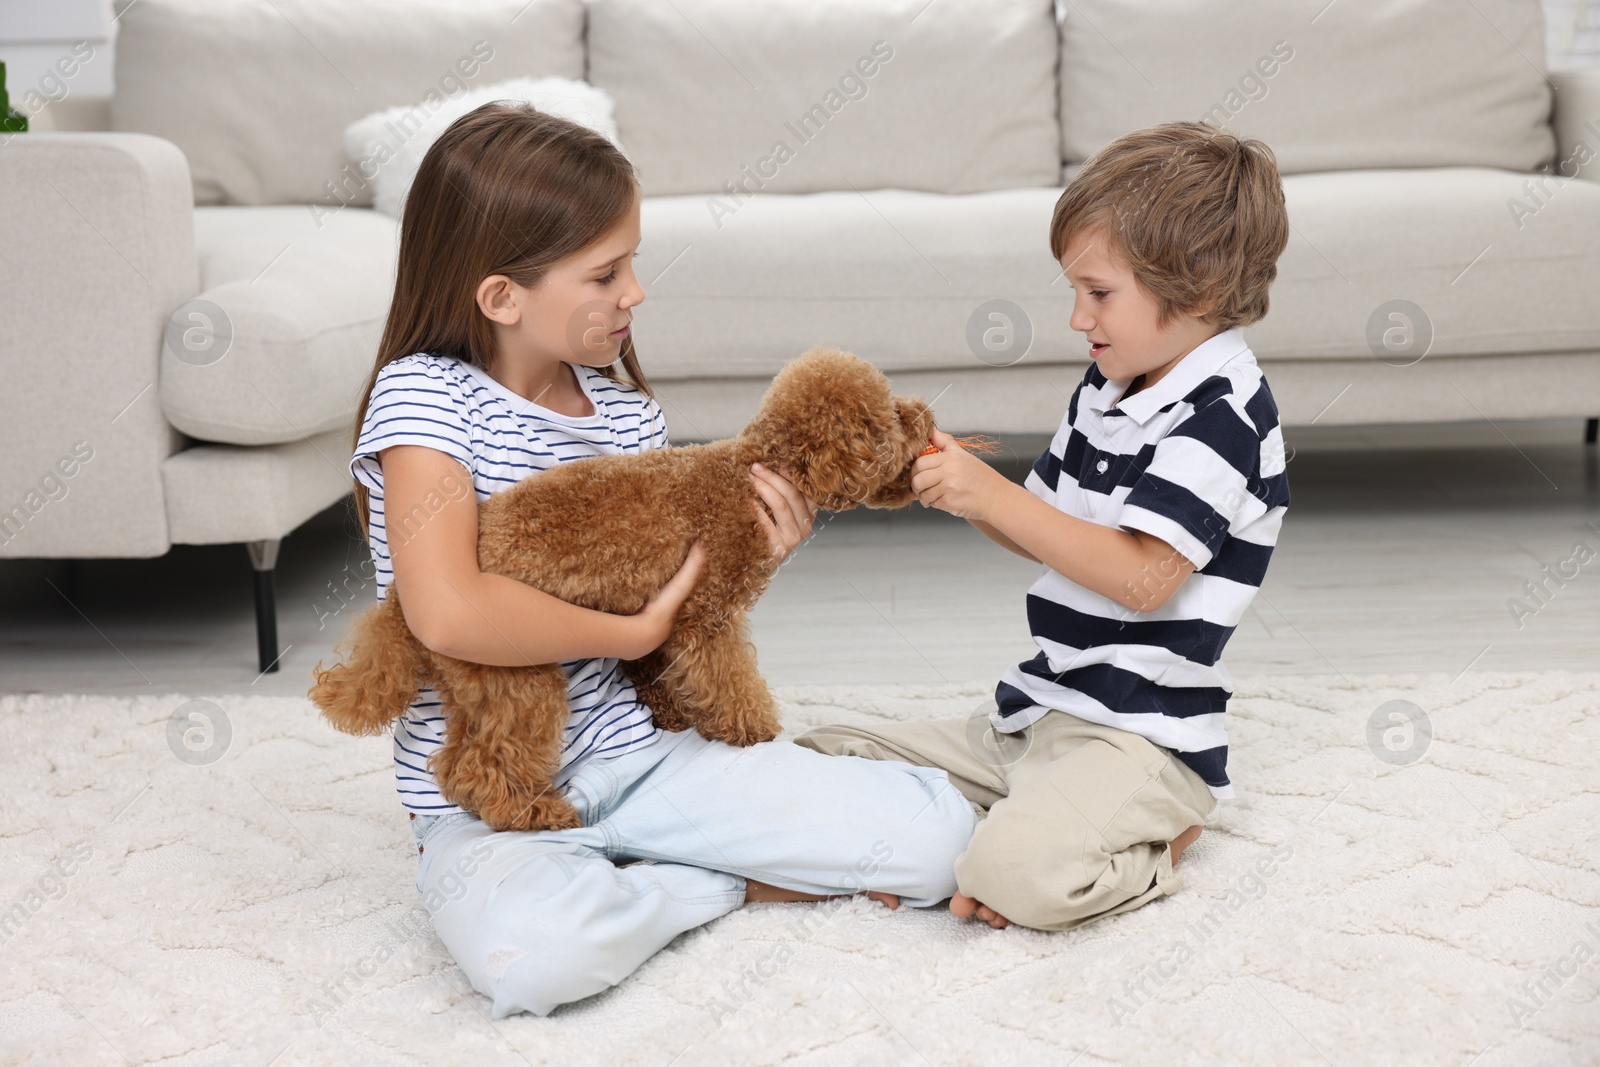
(846, 440)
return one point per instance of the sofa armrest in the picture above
(1577, 122)
(98, 251)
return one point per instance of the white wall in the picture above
(56, 50)
(1572, 32)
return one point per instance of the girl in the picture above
(508, 350)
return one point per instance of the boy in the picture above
(1154, 510)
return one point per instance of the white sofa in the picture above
(195, 295)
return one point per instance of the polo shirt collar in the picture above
(1204, 360)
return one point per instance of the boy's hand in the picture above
(956, 481)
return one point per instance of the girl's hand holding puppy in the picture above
(956, 481)
(650, 628)
(789, 525)
(792, 513)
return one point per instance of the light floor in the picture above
(1403, 550)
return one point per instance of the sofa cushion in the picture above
(809, 95)
(1336, 86)
(258, 93)
(899, 276)
(892, 275)
(224, 494)
(291, 310)
(1494, 260)
(902, 278)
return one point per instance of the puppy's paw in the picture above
(742, 730)
(546, 811)
(668, 718)
(666, 707)
(556, 814)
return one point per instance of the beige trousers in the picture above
(1079, 816)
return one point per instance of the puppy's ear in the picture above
(916, 420)
(916, 430)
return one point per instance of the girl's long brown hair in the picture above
(505, 190)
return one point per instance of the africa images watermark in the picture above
(1537, 593)
(416, 923)
(1399, 733)
(1252, 85)
(53, 486)
(999, 333)
(1399, 332)
(758, 973)
(354, 177)
(1142, 988)
(851, 85)
(49, 886)
(199, 732)
(402, 527)
(53, 85)
(1538, 191)
(1222, 522)
(1540, 991)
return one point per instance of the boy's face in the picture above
(1118, 315)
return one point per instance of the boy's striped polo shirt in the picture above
(1197, 459)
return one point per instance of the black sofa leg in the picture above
(264, 560)
(1591, 431)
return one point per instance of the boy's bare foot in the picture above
(963, 907)
(761, 893)
(1183, 841)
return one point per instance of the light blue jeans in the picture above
(539, 919)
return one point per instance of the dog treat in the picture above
(982, 444)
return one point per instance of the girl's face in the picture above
(1118, 315)
(579, 311)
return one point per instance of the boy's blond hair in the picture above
(1195, 213)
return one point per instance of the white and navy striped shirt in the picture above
(500, 438)
(1197, 460)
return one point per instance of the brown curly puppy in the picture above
(829, 419)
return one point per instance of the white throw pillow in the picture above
(390, 144)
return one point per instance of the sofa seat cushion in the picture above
(899, 276)
(892, 275)
(224, 494)
(298, 304)
(1492, 271)
(904, 278)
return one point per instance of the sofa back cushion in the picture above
(258, 93)
(1347, 85)
(802, 96)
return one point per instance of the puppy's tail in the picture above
(379, 677)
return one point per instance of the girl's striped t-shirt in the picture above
(499, 438)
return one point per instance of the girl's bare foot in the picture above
(761, 893)
(963, 907)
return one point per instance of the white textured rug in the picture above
(259, 909)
